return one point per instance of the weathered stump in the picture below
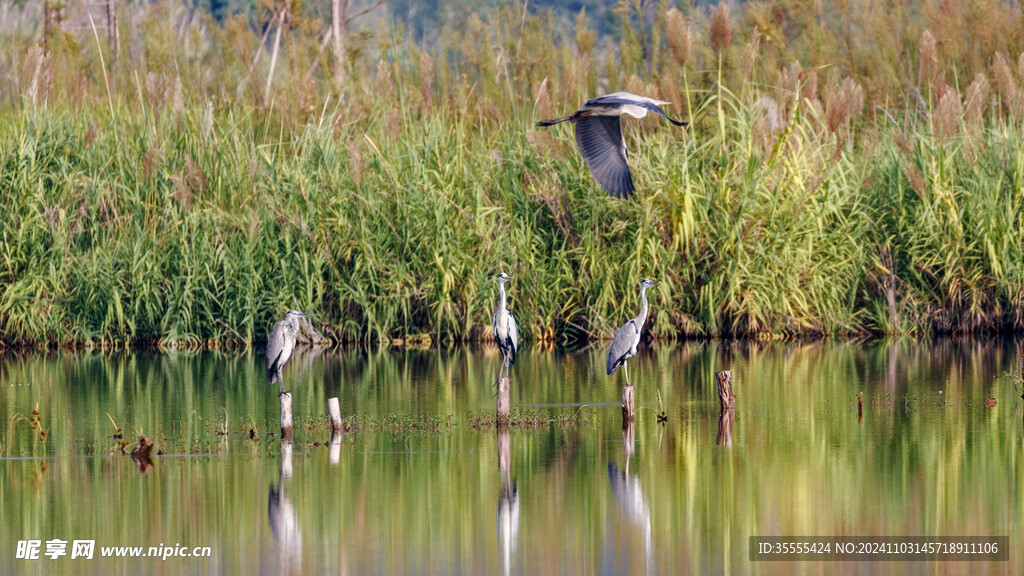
(727, 405)
(726, 398)
(140, 454)
(504, 403)
(627, 406)
(334, 409)
(286, 416)
(142, 448)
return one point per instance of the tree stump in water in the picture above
(727, 403)
(286, 416)
(140, 454)
(504, 403)
(627, 405)
(143, 448)
(726, 398)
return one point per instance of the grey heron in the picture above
(626, 339)
(599, 136)
(506, 332)
(280, 345)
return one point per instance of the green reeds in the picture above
(163, 202)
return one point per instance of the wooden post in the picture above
(334, 409)
(286, 416)
(726, 398)
(627, 406)
(504, 404)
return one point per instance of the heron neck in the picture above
(642, 317)
(501, 292)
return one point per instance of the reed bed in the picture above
(837, 177)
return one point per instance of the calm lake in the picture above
(418, 486)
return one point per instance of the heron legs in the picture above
(501, 367)
(504, 365)
(625, 368)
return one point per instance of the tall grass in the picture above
(181, 208)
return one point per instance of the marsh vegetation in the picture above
(851, 170)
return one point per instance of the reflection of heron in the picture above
(630, 498)
(280, 345)
(506, 332)
(508, 502)
(599, 136)
(507, 523)
(626, 339)
(284, 525)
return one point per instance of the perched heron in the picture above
(280, 346)
(599, 136)
(506, 332)
(626, 339)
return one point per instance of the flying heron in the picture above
(280, 346)
(599, 136)
(506, 332)
(626, 339)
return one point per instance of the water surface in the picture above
(432, 493)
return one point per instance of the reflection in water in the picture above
(629, 495)
(284, 522)
(632, 505)
(334, 453)
(628, 441)
(426, 500)
(508, 502)
(725, 419)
